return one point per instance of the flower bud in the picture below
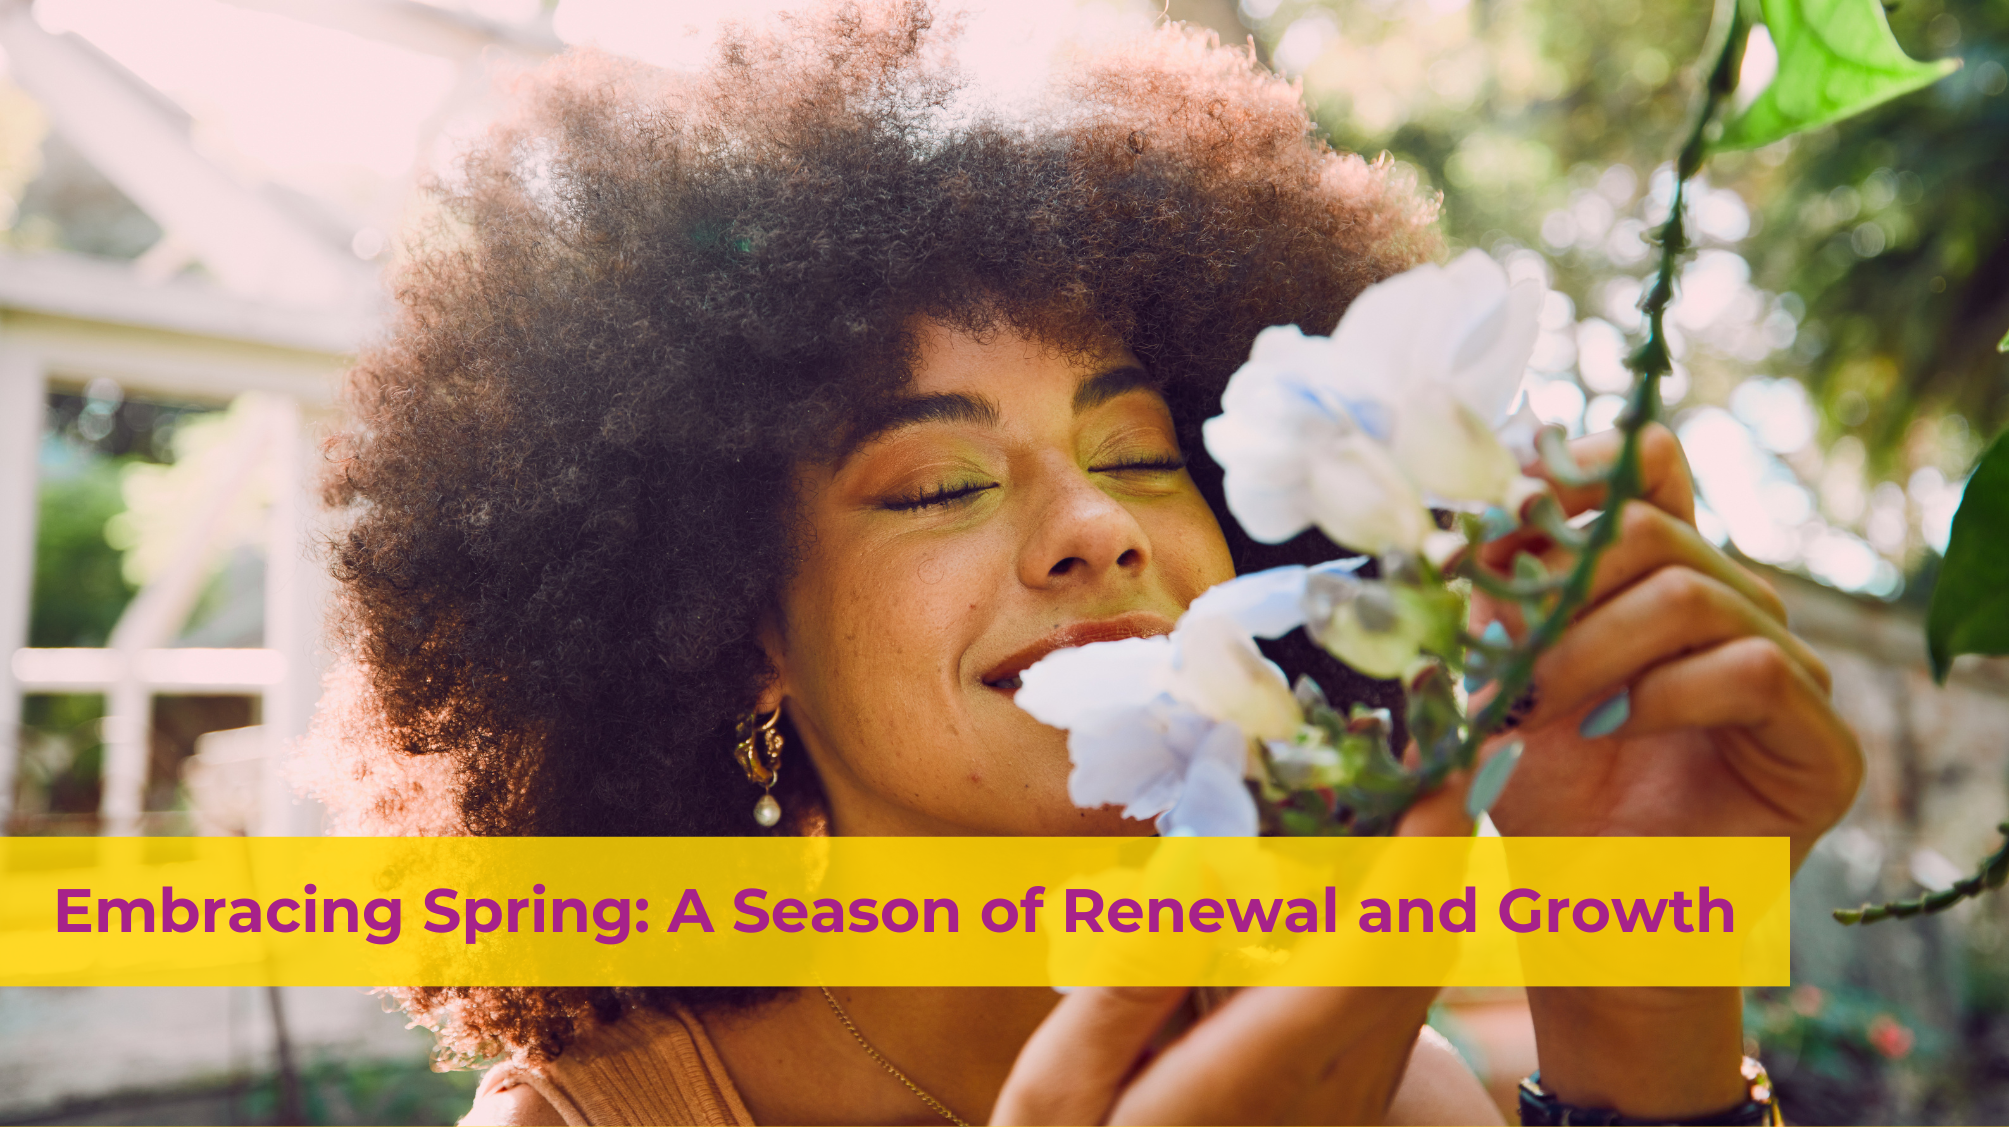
(1362, 623)
(1306, 760)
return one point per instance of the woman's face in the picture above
(1022, 500)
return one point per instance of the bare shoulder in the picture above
(1440, 1088)
(512, 1105)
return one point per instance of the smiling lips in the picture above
(1004, 676)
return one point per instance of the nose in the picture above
(1081, 537)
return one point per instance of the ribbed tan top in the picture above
(649, 1067)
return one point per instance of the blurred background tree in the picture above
(1837, 328)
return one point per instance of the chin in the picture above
(1107, 821)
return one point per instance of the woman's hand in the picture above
(1269, 1055)
(1724, 722)
(1677, 703)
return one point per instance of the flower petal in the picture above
(1394, 332)
(1263, 603)
(1269, 515)
(1444, 447)
(1213, 803)
(1220, 673)
(1224, 743)
(1503, 322)
(1361, 498)
(1072, 688)
(1126, 763)
(1517, 434)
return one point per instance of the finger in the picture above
(1663, 472)
(1441, 813)
(1808, 762)
(1673, 612)
(1651, 538)
(1258, 1058)
(1075, 1064)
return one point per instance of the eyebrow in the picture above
(1097, 390)
(955, 407)
(982, 411)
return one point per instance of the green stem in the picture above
(1623, 481)
(1990, 874)
(1510, 589)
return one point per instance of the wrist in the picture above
(1645, 1052)
(1759, 1107)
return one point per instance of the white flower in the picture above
(1359, 432)
(1443, 446)
(1168, 761)
(1359, 496)
(1218, 672)
(1167, 726)
(1373, 625)
(1134, 744)
(1462, 326)
(1268, 604)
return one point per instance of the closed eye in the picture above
(941, 495)
(1163, 463)
(936, 495)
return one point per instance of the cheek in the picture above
(1192, 552)
(873, 635)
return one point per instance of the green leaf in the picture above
(2004, 346)
(1837, 58)
(1970, 604)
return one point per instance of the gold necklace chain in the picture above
(940, 1108)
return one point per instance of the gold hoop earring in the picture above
(759, 755)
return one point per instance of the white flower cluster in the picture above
(1163, 726)
(1403, 408)
(1361, 432)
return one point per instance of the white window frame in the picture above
(64, 321)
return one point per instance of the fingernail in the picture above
(1607, 717)
(1478, 673)
(1496, 522)
(1491, 779)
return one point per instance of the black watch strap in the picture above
(1540, 1108)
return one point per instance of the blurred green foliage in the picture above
(1889, 231)
(1911, 327)
(371, 1091)
(79, 589)
(62, 754)
(1836, 1053)
(89, 444)
(1970, 603)
(331, 1090)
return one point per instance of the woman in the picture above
(809, 386)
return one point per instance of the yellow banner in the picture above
(894, 911)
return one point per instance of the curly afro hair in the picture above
(651, 296)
